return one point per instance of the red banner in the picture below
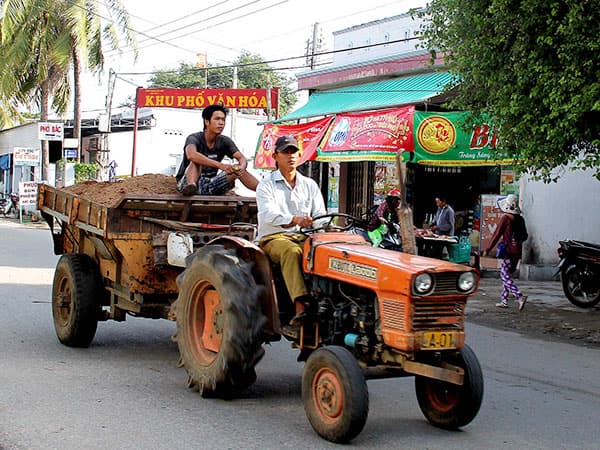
(371, 136)
(308, 135)
(201, 98)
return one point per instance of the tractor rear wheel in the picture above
(448, 405)
(219, 322)
(335, 394)
(76, 299)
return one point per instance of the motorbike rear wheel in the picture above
(581, 286)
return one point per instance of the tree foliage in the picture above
(42, 41)
(534, 66)
(253, 72)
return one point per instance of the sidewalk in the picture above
(14, 223)
(547, 314)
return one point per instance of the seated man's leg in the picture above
(187, 185)
(217, 185)
(288, 254)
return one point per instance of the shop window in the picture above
(386, 39)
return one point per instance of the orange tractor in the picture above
(191, 259)
(373, 311)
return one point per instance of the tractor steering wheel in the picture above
(329, 225)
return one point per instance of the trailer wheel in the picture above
(335, 394)
(447, 405)
(76, 299)
(219, 322)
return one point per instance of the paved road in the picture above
(125, 391)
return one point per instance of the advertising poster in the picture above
(446, 139)
(490, 218)
(308, 135)
(371, 136)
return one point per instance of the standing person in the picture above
(288, 201)
(202, 156)
(510, 234)
(443, 223)
(383, 215)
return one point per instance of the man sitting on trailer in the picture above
(201, 170)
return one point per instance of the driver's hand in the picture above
(303, 221)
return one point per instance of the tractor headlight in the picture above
(466, 282)
(423, 283)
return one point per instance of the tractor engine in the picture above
(347, 314)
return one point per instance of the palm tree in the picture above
(42, 40)
(33, 63)
(89, 35)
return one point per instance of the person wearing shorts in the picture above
(201, 170)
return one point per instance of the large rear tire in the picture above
(219, 322)
(335, 394)
(448, 405)
(581, 288)
(76, 299)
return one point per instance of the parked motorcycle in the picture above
(10, 205)
(386, 236)
(579, 269)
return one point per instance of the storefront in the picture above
(444, 155)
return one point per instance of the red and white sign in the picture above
(51, 131)
(370, 136)
(308, 135)
(28, 193)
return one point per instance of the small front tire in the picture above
(335, 394)
(447, 405)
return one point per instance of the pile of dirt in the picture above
(110, 193)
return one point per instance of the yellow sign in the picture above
(436, 134)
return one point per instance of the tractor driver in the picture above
(287, 201)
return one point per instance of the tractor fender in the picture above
(263, 276)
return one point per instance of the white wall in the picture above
(568, 209)
(385, 30)
(20, 136)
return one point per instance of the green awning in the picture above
(377, 95)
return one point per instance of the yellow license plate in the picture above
(438, 340)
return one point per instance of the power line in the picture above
(328, 52)
(187, 15)
(217, 24)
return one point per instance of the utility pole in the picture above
(234, 85)
(269, 96)
(314, 47)
(103, 155)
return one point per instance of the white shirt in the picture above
(277, 203)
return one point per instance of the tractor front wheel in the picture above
(448, 405)
(335, 395)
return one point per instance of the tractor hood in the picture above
(348, 257)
